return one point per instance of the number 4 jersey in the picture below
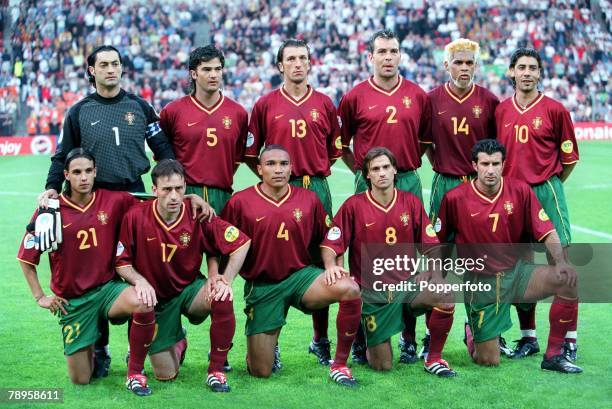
(85, 259)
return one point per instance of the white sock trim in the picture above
(571, 334)
(531, 333)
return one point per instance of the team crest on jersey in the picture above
(477, 110)
(405, 218)
(130, 118)
(567, 146)
(231, 234)
(508, 207)
(297, 213)
(227, 122)
(407, 102)
(103, 217)
(315, 115)
(185, 238)
(537, 122)
(543, 216)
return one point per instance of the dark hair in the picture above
(386, 34)
(291, 42)
(272, 147)
(75, 153)
(488, 146)
(204, 54)
(167, 168)
(373, 154)
(91, 60)
(523, 52)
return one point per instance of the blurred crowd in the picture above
(44, 73)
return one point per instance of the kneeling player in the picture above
(492, 209)
(386, 216)
(285, 222)
(160, 242)
(84, 284)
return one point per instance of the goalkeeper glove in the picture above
(46, 226)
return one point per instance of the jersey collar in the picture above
(378, 205)
(277, 203)
(296, 102)
(529, 106)
(454, 96)
(81, 209)
(209, 110)
(384, 91)
(161, 221)
(485, 198)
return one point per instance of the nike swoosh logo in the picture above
(279, 116)
(223, 349)
(94, 123)
(260, 219)
(66, 225)
(151, 238)
(440, 113)
(474, 214)
(565, 321)
(369, 224)
(191, 123)
(372, 107)
(349, 334)
(507, 125)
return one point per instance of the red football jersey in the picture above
(538, 139)
(283, 232)
(85, 259)
(397, 119)
(308, 128)
(208, 141)
(170, 256)
(457, 124)
(514, 215)
(362, 221)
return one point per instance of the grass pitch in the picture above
(31, 354)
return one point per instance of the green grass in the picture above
(31, 348)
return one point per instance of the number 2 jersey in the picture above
(86, 257)
(169, 256)
(284, 231)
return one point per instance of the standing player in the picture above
(497, 210)
(86, 290)
(113, 126)
(389, 111)
(207, 130)
(387, 216)
(160, 241)
(286, 222)
(462, 113)
(305, 122)
(542, 152)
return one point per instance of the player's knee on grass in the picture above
(165, 365)
(260, 369)
(80, 366)
(487, 353)
(380, 357)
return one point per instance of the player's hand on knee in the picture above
(564, 269)
(53, 303)
(334, 274)
(145, 292)
(222, 290)
(43, 198)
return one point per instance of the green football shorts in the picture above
(552, 198)
(168, 327)
(441, 184)
(80, 325)
(267, 304)
(318, 185)
(383, 320)
(214, 196)
(487, 319)
(408, 181)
